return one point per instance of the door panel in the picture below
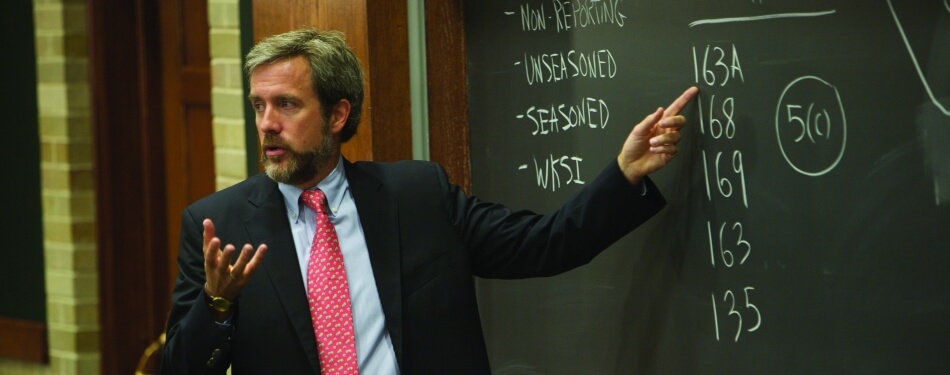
(189, 148)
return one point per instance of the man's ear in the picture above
(338, 115)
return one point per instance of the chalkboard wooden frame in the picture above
(448, 88)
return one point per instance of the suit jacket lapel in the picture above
(379, 217)
(268, 224)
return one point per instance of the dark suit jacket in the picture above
(426, 241)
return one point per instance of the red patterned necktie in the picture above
(329, 294)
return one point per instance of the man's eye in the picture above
(286, 104)
(257, 106)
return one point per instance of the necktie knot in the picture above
(315, 199)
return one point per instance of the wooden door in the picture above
(186, 80)
(150, 99)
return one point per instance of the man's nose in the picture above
(268, 120)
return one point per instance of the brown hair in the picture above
(335, 72)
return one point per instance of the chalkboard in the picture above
(808, 224)
(23, 294)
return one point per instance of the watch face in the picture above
(220, 304)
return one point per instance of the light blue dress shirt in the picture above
(374, 348)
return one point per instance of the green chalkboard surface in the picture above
(808, 224)
(22, 288)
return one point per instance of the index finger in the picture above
(207, 233)
(681, 102)
(208, 241)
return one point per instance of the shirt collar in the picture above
(334, 186)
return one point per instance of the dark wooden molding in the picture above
(187, 120)
(448, 89)
(24, 340)
(126, 102)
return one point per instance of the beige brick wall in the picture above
(66, 163)
(227, 92)
(69, 227)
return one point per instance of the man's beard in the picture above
(301, 165)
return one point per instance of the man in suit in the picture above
(411, 242)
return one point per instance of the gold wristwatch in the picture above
(219, 304)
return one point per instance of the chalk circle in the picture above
(817, 88)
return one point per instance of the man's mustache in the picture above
(271, 140)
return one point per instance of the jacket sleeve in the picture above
(195, 343)
(508, 244)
